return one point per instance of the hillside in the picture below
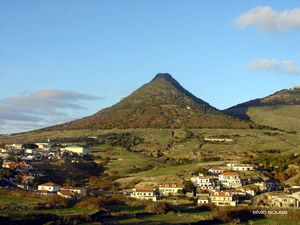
(161, 103)
(279, 110)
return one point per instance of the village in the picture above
(230, 184)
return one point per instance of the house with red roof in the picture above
(145, 193)
(223, 198)
(230, 179)
(48, 188)
(170, 189)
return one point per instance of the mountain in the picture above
(161, 103)
(280, 110)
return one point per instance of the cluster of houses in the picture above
(50, 188)
(18, 159)
(224, 187)
(43, 151)
(22, 175)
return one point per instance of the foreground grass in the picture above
(63, 211)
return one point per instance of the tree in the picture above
(189, 187)
(30, 146)
(157, 207)
(70, 182)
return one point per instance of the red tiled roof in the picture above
(43, 191)
(23, 164)
(67, 192)
(49, 184)
(11, 164)
(143, 190)
(229, 174)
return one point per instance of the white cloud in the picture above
(269, 20)
(40, 108)
(286, 66)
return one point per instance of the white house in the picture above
(285, 201)
(170, 189)
(203, 200)
(243, 167)
(203, 182)
(223, 198)
(216, 170)
(230, 180)
(226, 140)
(77, 149)
(144, 193)
(48, 188)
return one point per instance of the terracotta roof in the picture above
(66, 192)
(244, 165)
(229, 174)
(222, 194)
(43, 191)
(216, 168)
(25, 177)
(143, 190)
(23, 164)
(49, 184)
(10, 164)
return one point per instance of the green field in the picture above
(8, 201)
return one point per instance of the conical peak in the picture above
(165, 76)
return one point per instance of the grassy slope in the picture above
(6, 200)
(282, 117)
(124, 161)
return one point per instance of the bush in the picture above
(57, 202)
(241, 214)
(91, 203)
(206, 207)
(157, 207)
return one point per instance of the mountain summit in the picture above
(279, 110)
(161, 103)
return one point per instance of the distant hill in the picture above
(280, 110)
(161, 103)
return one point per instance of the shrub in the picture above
(157, 207)
(206, 207)
(91, 203)
(230, 215)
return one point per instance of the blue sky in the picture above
(81, 56)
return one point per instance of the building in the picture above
(42, 145)
(14, 146)
(48, 188)
(216, 170)
(226, 140)
(284, 201)
(144, 193)
(170, 189)
(291, 190)
(9, 165)
(203, 182)
(223, 198)
(295, 88)
(67, 194)
(77, 149)
(203, 200)
(243, 167)
(25, 179)
(23, 166)
(230, 180)
(17, 166)
(76, 190)
(248, 190)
